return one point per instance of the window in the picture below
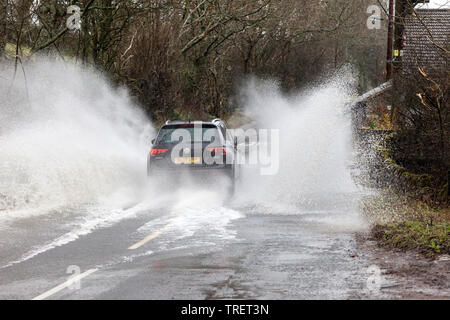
(169, 134)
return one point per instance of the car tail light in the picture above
(218, 150)
(157, 152)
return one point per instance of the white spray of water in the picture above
(314, 147)
(195, 211)
(69, 139)
(69, 142)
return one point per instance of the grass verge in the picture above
(414, 235)
(402, 223)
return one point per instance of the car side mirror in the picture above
(153, 141)
(213, 139)
(235, 142)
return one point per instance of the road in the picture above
(222, 251)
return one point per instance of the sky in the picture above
(443, 4)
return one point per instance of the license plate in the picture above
(187, 160)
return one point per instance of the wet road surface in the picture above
(186, 253)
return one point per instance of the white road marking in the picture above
(64, 285)
(150, 237)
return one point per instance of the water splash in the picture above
(69, 139)
(314, 148)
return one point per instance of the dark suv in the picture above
(197, 149)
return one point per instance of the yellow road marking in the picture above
(64, 285)
(150, 237)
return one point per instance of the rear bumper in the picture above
(202, 171)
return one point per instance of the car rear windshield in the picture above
(187, 132)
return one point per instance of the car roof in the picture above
(216, 122)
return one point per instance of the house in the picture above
(426, 42)
(425, 45)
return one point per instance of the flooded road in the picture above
(190, 252)
(79, 219)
